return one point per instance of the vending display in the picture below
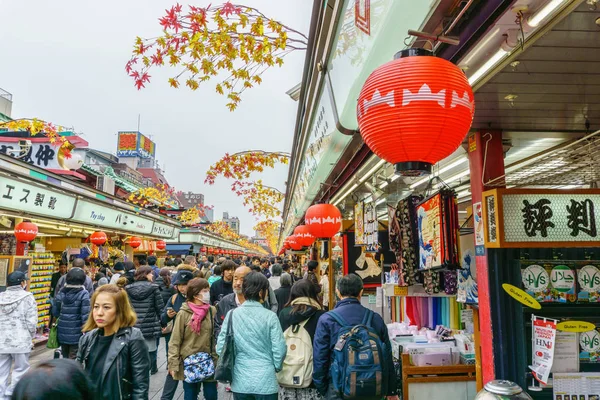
(39, 285)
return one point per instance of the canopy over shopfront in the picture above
(200, 241)
(179, 249)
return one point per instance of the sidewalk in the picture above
(156, 381)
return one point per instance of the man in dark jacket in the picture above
(283, 293)
(349, 290)
(232, 300)
(223, 287)
(155, 269)
(88, 284)
(62, 270)
(72, 308)
(169, 314)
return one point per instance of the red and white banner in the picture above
(544, 339)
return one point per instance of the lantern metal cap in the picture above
(412, 168)
(417, 51)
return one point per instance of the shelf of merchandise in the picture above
(39, 285)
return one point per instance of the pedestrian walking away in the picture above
(19, 316)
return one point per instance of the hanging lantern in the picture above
(98, 238)
(323, 220)
(135, 242)
(26, 231)
(293, 242)
(161, 244)
(415, 111)
(203, 249)
(303, 235)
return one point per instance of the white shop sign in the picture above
(163, 230)
(551, 217)
(43, 155)
(21, 196)
(96, 214)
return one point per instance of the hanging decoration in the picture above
(303, 236)
(415, 111)
(135, 242)
(98, 238)
(26, 231)
(161, 244)
(293, 243)
(323, 220)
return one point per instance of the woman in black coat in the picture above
(167, 290)
(303, 306)
(112, 350)
(148, 304)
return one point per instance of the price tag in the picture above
(400, 290)
(466, 316)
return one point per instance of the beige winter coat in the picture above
(184, 342)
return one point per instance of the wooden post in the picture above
(477, 338)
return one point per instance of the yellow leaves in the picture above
(192, 84)
(231, 106)
(243, 20)
(279, 61)
(173, 82)
(219, 89)
(174, 60)
(192, 68)
(257, 79)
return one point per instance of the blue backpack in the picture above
(359, 369)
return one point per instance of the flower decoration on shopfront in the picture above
(222, 229)
(36, 126)
(98, 238)
(160, 195)
(303, 235)
(134, 242)
(193, 215)
(231, 41)
(26, 231)
(323, 220)
(269, 230)
(261, 199)
(415, 111)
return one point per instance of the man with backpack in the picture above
(352, 355)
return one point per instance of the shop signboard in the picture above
(96, 214)
(40, 154)
(26, 197)
(164, 230)
(542, 218)
(134, 144)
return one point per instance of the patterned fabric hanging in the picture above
(407, 257)
(432, 282)
(450, 282)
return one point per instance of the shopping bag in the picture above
(224, 369)
(52, 342)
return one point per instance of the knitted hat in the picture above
(76, 277)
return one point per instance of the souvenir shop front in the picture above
(200, 242)
(47, 219)
(544, 265)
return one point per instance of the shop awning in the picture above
(178, 249)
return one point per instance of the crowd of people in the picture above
(286, 344)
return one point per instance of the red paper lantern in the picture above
(98, 238)
(161, 244)
(323, 220)
(203, 249)
(293, 242)
(303, 235)
(26, 231)
(135, 242)
(415, 111)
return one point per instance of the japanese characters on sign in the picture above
(42, 155)
(134, 144)
(164, 230)
(96, 214)
(529, 216)
(21, 196)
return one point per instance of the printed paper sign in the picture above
(544, 339)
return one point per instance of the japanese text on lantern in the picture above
(549, 218)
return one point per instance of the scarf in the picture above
(199, 314)
(307, 301)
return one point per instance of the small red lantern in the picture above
(415, 111)
(135, 242)
(98, 238)
(203, 249)
(303, 235)
(161, 244)
(26, 231)
(323, 220)
(293, 242)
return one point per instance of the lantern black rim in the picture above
(413, 168)
(417, 51)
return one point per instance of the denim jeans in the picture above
(192, 390)
(245, 396)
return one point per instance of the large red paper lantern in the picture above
(323, 220)
(293, 242)
(26, 231)
(135, 242)
(303, 235)
(161, 244)
(415, 111)
(98, 238)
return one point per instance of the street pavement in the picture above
(156, 381)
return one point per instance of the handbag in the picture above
(224, 370)
(52, 342)
(200, 366)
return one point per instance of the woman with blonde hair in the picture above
(192, 354)
(112, 350)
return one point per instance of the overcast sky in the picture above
(64, 63)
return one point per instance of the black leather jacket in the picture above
(127, 367)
